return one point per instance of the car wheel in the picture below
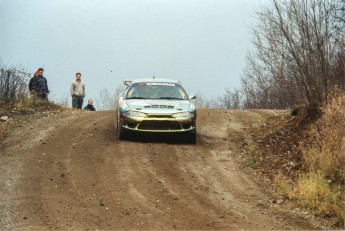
(191, 138)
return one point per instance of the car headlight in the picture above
(183, 115)
(134, 114)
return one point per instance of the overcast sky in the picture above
(203, 43)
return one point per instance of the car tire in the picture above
(191, 138)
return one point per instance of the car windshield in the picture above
(156, 90)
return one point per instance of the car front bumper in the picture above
(159, 125)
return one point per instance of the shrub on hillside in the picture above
(318, 196)
(321, 188)
(326, 150)
(13, 86)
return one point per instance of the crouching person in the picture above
(90, 106)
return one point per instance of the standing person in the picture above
(77, 92)
(89, 106)
(32, 85)
(41, 85)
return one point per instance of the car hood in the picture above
(159, 106)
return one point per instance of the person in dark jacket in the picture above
(33, 83)
(41, 85)
(90, 106)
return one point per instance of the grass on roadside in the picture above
(313, 173)
(325, 149)
(251, 159)
(30, 103)
(24, 107)
(283, 186)
(318, 196)
(321, 189)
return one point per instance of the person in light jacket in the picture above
(77, 92)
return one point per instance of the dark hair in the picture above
(40, 69)
(78, 73)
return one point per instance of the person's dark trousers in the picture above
(42, 97)
(77, 101)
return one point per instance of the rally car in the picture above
(155, 106)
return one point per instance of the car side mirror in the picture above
(192, 97)
(127, 82)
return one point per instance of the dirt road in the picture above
(68, 171)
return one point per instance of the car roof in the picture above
(156, 80)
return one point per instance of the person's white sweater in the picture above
(77, 88)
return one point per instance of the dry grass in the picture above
(283, 185)
(325, 149)
(35, 104)
(251, 160)
(3, 130)
(24, 107)
(303, 157)
(319, 196)
(321, 189)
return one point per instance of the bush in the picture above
(13, 86)
(318, 196)
(321, 188)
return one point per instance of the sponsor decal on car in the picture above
(161, 84)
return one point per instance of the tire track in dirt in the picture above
(82, 177)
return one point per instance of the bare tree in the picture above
(108, 100)
(338, 13)
(13, 86)
(231, 99)
(297, 50)
(213, 102)
(202, 102)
